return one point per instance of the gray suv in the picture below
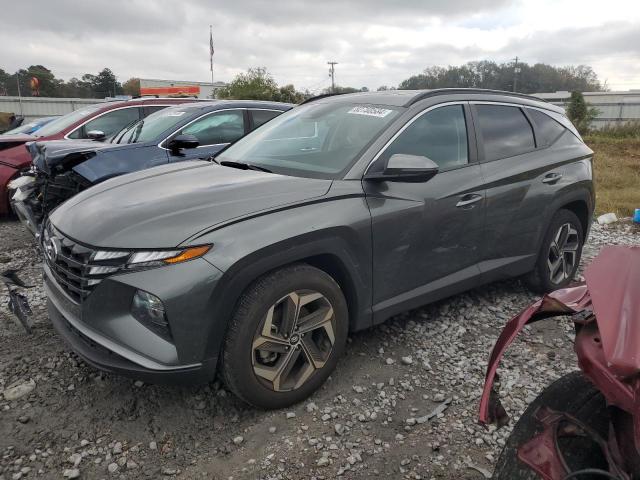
(331, 218)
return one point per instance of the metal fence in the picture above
(613, 107)
(35, 107)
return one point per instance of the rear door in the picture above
(214, 131)
(522, 176)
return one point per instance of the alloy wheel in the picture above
(293, 340)
(563, 253)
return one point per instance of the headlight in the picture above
(20, 182)
(145, 259)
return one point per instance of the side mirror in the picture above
(179, 142)
(97, 135)
(406, 168)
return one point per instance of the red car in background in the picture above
(101, 119)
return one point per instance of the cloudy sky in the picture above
(375, 42)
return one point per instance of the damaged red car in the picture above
(96, 122)
(586, 425)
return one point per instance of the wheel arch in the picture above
(579, 201)
(581, 210)
(329, 254)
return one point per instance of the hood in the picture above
(8, 141)
(57, 156)
(163, 206)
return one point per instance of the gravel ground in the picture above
(401, 404)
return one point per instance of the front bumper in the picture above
(101, 330)
(27, 217)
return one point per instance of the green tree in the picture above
(339, 89)
(288, 94)
(76, 88)
(487, 74)
(104, 84)
(580, 113)
(255, 84)
(131, 87)
(5, 79)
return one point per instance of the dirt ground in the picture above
(366, 421)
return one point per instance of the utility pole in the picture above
(516, 71)
(19, 94)
(332, 73)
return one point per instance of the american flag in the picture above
(211, 48)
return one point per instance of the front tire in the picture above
(573, 394)
(559, 255)
(288, 331)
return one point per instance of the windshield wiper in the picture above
(243, 166)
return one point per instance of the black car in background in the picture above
(186, 132)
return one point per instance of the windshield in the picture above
(152, 126)
(59, 124)
(316, 140)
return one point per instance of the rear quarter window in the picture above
(505, 130)
(547, 129)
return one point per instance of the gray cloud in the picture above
(293, 39)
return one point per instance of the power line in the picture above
(332, 73)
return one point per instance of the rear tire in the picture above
(289, 329)
(559, 255)
(573, 394)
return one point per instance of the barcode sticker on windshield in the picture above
(174, 114)
(370, 111)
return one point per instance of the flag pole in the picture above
(211, 54)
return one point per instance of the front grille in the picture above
(73, 266)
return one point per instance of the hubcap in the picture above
(563, 253)
(294, 339)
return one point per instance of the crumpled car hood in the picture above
(613, 280)
(612, 293)
(59, 155)
(163, 206)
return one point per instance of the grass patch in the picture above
(617, 173)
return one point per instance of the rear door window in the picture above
(149, 109)
(260, 117)
(547, 129)
(506, 132)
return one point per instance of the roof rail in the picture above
(319, 97)
(450, 91)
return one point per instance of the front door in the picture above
(427, 236)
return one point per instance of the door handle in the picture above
(469, 199)
(552, 178)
